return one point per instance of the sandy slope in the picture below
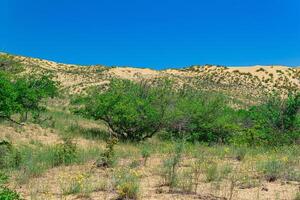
(75, 78)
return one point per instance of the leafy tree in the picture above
(133, 111)
(24, 94)
(274, 122)
(8, 96)
(277, 113)
(31, 90)
(200, 116)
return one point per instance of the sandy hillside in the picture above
(238, 81)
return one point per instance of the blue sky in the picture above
(153, 33)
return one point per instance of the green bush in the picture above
(212, 173)
(136, 111)
(272, 169)
(5, 192)
(8, 96)
(170, 166)
(31, 90)
(24, 94)
(108, 158)
(200, 116)
(5, 151)
(127, 184)
(240, 153)
(65, 153)
(132, 111)
(10, 156)
(145, 151)
(274, 122)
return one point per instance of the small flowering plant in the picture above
(127, 183)
(73, 184)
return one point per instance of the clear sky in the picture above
(153, 33)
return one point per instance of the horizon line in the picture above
(153, 68)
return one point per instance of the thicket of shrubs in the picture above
(136, 111)
(274, 122)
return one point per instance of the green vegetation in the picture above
(31, 91)
(136, 111)
(200, 116)
(272, 169)
(8, 97)
(188, 135)
(21, 95)
(170, 167)
(5, 192)
(126, 184)
(145, 153)
(108, 158)
(9, 155)
(8, 64)
(65, 153)
(274, 122)
(132, 111)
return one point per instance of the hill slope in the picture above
(243, 82)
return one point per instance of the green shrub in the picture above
(75, 184)
(132, 111)
(5, 151)
(24, 94)
(240, 153)
(31, 90)
(145, 153)
(200, 116)
(274, 122)
(186, 181)
(169, 170)
(272, 169)
(108, 158)
(127, 184)
(66, 152)
(134, 164)
(8, 194)
(212, 173)
(10, 156)
(8, 96)
(5, 192)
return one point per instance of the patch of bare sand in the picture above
(133, 73)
